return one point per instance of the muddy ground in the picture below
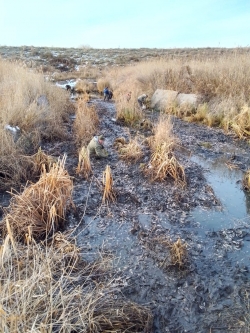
(206, 294)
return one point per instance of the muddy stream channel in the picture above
(211, 216)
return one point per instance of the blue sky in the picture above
(125, 24)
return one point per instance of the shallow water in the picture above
(227, 187)
(228, 227)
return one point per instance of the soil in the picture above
(207, 292)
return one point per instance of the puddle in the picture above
(230, 225)
(226, 185)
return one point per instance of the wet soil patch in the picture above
(206, 294)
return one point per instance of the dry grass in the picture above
(178, 251)
(51, 289)
(163, 133)
(167, 252)
(164, 164)
(129, 151)
(240, 123)
(84, 165)
(86, 123)
(101, 84)
(40, 209)
(42, 161)
(109, 194)
(128, 113)
(246, 181)
(14, 166)
(84, 86)
(38, 108)
(31, 103)
(223, 81)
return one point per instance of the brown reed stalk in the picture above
(84, 165)
(109, 194)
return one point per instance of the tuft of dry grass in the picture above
(84, 86)
(246, 181)
(163, 133)
(131, 151)
(109, 194)
(128, 113)
(101, 84)
(14, 166)
(42, 161)
(50, 288)
(84, 164)
(163, 162)
(240, 123)
(118, 142)
(178, 251)
(40, 209)
(86, 123)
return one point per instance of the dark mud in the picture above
(207, 294)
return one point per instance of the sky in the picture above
(125, 23)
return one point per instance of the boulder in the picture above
(162, 98)
(189, 99)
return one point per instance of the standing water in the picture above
(232, 222)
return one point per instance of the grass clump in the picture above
(129, 151)
(84, 165)
(128, 113)
(42, 161)
(40, 209)
(163, 162)
(101, 84)
(52, 289)
(178, 251)
(109, 194)
(13, 168)
(86, 123)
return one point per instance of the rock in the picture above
(163, 98)
(14, 131)
(189, 99)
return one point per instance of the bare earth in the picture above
(208, 291)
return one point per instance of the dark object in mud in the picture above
(146, 124)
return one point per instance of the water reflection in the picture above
(226, 184)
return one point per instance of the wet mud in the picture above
(208, 293)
